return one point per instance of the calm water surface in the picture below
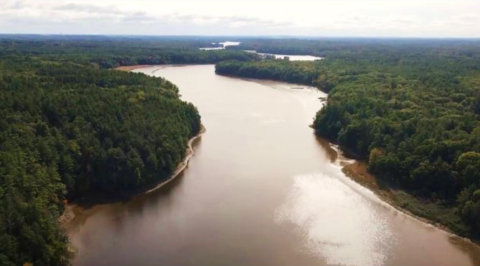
(261, 189)
(290, 57)
(222, 45)
(295, 57)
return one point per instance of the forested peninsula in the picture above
(409, 108)
(71, 127)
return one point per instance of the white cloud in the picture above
(88, 8)
(422, 18)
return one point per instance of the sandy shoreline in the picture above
(161, 66)
(357, 171)
(183, 164)
(130, 68)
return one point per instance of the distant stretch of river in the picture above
(290, 57)
(261, 189)
(222, 46)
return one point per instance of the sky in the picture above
(319, 18)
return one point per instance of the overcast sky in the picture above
(366, 18)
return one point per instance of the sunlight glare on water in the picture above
(338, 224)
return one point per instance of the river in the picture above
(290, 57)
(261, 189)
(223, 45)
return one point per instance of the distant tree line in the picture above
(110, 52)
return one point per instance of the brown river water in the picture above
(261, 189)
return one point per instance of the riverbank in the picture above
(436, 214)
(69, 212)
(130, 68)
(183, 164)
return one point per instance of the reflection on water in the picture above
(339, 224)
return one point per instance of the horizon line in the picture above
(242, 36)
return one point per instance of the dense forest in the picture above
(110, 52)
(70, 128)
(305, 73)
(409, 108)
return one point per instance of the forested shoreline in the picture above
(409, 109)
(70, 127)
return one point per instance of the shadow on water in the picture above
(331, 153)
(466, 246)
(119, 208)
